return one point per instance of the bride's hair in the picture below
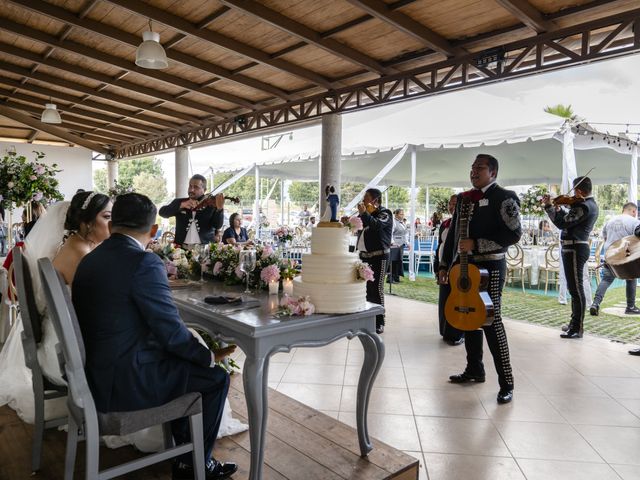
(84, 208)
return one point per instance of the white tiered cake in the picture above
(329, 273)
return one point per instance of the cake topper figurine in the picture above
(333, 200)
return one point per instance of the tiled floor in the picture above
(575, 414)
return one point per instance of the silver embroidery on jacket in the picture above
(510, 212)
(483, 245)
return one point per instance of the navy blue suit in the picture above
(139, 352)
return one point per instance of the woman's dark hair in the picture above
(232, 218)
(84, 209)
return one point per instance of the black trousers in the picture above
(375, 289)
(213, 385)
(574, 259)
(447, 331)
(397, 269)
(495, 333)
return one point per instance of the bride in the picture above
(65, 234)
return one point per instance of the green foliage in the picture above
(153, 186)
(530, 201)
(563, 111)
(129, 169)
(100, 181)
(438, 197)
(398, 197)
(23, 180)
(611, 197)
(245, 188)
(304, 192)
(348, 191)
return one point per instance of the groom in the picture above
(139, 352)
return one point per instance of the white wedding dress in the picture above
(15, 378)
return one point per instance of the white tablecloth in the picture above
(5, 326)
(534, 256)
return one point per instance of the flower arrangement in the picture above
(283, 234)
(354, 223)
(290, 269)
(270, 274)
(178, 262)
(364, 272)
(300, 306)
(26, 181)
(530, 201)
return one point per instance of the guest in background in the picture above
(37, 210)
(576, 224)
(311, 224)
(236, 234)
(195, 226)
(448, 332)
(435, 221)
(399, 238)
(304, 216)
(617, 227)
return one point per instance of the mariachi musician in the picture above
(196, 226)
(576, 223)
(493, 227)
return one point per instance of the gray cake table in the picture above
(260, 334)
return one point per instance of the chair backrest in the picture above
(31, 319)
(168, 237)
(552, 256)
(515, 256)
(72, 354)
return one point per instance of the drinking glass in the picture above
(247, 263)
(202, 254)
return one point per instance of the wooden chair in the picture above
(83, 415)
(168, 237)
(595, 260)
(43, 389)
(516, 268)
(551, 265)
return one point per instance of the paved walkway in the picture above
(575, 415)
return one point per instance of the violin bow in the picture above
(578, 184)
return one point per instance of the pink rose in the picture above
(172, 270)
(33, 177)
(355, 223)
(267, 251)
(239, 273)
(37, 196)
(270, 274)
(40, 169)
(217, 267)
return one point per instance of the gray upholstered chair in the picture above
(43, 389)
(83, 416)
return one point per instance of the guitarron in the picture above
(468, 306)
(623, 257)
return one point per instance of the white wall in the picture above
(74, 163)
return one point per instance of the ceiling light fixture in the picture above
(150, 53)
(50, 113)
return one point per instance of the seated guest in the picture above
(236, 234)
(147, 357)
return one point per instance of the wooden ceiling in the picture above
(237, 66)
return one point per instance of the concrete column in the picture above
(256, 205)
(282, 201)
(331, 156)
(182, 171)
(112, 173)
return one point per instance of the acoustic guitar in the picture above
(623, 257)
(468, 306)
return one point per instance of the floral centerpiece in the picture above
(364, 272)
(354, 223)
(27, 180)
(530, 201)
(283, 234)
(178, 262)
(295, 306)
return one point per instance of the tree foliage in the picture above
(438, 196)
(562, 111)
(151, 185)
(100, 180)
(304, 193)
(143, 175)
(611, 197)
(398, 197)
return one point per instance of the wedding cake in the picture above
(329, 273)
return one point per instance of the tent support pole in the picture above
(412, 219)
(281, 201)
(256, 207)
(427, 213)
(633, 177)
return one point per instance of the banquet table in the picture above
(253, 326)
(534, 256)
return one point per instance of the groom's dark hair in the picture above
(133, 211)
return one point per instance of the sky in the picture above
(603, 93)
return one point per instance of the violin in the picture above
(209, 200)
(569, 200)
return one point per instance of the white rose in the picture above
(10, 185)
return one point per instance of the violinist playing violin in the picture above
(196, 223)
(575, 216)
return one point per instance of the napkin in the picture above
(222, 299)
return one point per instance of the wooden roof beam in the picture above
(32, 136)
(93, 26)
(307, 34)
(56, 94)
(229, 44)
(527, 14)
(46, 78)
(208, 20)
(50, 129)
(409, 26)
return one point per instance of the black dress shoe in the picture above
(632, 311)
(465, 377)
(504, 396)
(379, 329)
(595, 309)
(214, 470)
(571, 334)
(455, 343)
(635, 352)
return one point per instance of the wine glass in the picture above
(202, 253)
(247, 263)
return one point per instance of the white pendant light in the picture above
(150, 53)
(50, 114)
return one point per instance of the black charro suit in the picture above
(139, 353)
(207, 220)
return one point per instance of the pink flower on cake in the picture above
(239, 273)
(355, 223)
(305, 306)
(301, 306)
(217, 267)
(364, 272)
(270, 274)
